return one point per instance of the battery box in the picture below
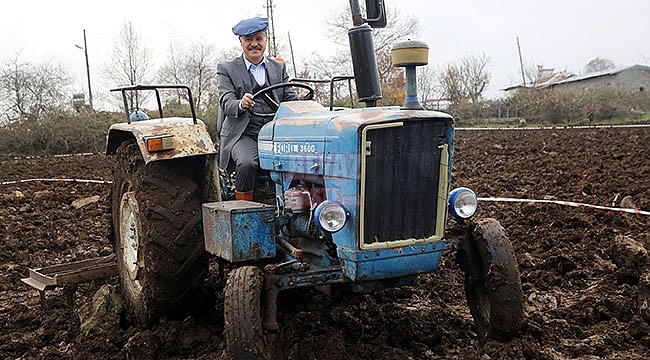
(238, 230)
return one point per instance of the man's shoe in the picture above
(244, 195)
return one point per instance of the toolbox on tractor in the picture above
(238, 230)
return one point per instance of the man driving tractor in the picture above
(238, 80)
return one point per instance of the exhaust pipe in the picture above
(364, 62)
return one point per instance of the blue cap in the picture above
(250, 26)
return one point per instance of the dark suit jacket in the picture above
(234, 82)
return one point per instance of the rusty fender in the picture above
(189, 139)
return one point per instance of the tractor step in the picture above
(49, 277)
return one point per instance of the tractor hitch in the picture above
(50, 277)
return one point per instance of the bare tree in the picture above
(451, 82)
(465, 80)
(475, 75)
(30, 90)
(173, 70)
(428, 89)
(230, 53)
(195, 67)
(130, 63)
(599, 64)
(391, 79)
(398, 26)
(326, 67)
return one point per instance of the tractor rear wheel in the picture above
(158, 236)
(243, 331)
(492, 282)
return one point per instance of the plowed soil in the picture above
(585, 271)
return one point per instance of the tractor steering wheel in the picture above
(265, 94)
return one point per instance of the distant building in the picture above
(550, 78)
(635, 78)
(79, 102)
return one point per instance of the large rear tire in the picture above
(243, 331)
(492, 282)
(157, 235)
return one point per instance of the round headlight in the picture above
(330, 216)
(462, 203)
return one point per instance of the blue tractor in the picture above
(359, 202)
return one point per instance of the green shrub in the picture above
(62, 132)
(57, 133)
(551, 107)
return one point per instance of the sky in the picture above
(560, 34)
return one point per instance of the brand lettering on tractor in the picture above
(288, 148)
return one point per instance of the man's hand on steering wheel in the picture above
(247, 101)
(265, 94)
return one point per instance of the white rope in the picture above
(54, 180)
(582, 127)
(53, 156)
(495, 199)
(567, 203)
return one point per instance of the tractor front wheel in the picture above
(243, 331)
(492, 282)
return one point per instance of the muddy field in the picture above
(584, 271)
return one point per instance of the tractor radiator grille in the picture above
(402, 174)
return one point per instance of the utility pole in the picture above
(293, 58)
(521, 63)
(90, 92)
(273, 50)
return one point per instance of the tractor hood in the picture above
(295, 140)
(307, 138)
